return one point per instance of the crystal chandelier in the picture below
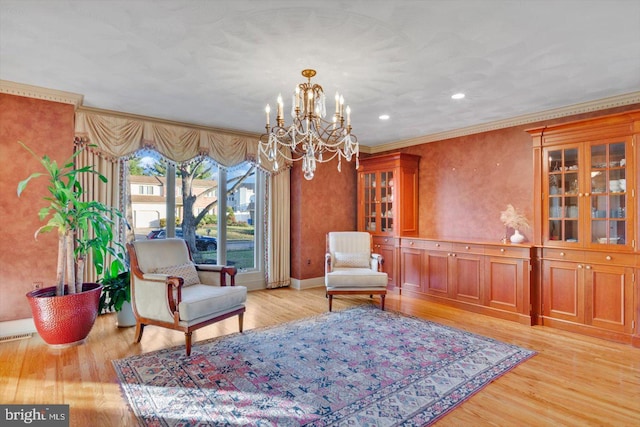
(310, 137)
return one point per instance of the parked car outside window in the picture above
(203, 243)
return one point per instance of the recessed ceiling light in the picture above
(457, 95)
(384, 117)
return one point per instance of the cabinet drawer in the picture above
(424, 244)
(507, 251)
(563, 255)
(384, 241)
(610, 258)
(467, 248)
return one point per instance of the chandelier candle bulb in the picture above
(337, 103)
(348, 117)
(267, 110)
(280, 105)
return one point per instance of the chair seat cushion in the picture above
(206, 301)
(355, 278)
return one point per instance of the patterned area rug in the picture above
(358, 367)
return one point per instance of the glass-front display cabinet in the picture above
(378, 202)
(587, 201)
(388, 195)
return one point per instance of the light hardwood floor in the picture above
(573, 380)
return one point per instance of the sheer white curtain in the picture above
(278, 263)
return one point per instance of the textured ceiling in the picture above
(218, 63)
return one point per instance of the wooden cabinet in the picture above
(586, 225)
(388, 203)
(388, 195)
(584, 296)
(388, 248)
(483, 277)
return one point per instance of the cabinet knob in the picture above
(449, 254)
(562, 254)
(411, 243)
(454, 255)
(467, 247)
(502, 250)
(608, 258)
(579, 265)
(588, 267)
(579, 194)
(586, 194)
(437, 245)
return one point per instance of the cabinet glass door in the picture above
(369, 200)
(386, 202)
(608, 198)
(563, 187)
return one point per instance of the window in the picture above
(205, 193)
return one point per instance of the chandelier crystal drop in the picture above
(310, 138)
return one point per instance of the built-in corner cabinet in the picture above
(388, 204)
(586, 212)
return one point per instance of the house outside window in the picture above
(233, 241)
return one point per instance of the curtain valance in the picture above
(118, 136)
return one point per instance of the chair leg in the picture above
(240, 320)
(382, 301)
(330, 301)
(139, 330)
(187, 339)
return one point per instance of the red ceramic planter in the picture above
(65, 320)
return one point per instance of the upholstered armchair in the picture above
(169, 290)
(351, 267)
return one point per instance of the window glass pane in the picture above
(241, 216)
(198, 183)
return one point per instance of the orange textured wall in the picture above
(47, 128)
(466, 182)
(326, 203)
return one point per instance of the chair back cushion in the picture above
(349, 242)
(351, 260)
(155, 254)
(187, 271)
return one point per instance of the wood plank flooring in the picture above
(573, 381)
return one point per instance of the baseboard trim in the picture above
(314, 282)
(18, 327)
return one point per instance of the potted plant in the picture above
(116, 296)
(513, 219)
(64, 314)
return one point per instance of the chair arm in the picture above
(222, 269)
(377, 261)
(158, 287)
(327, 262)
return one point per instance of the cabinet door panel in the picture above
(505, 284)
(467, 278)
(563, 291)
(609, 292)
(388, 254)
(436, 275)
(411, 265)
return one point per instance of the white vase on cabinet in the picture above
(516, 237)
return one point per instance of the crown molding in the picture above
(585, 107)
(21, 89)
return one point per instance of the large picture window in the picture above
(218, 211)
